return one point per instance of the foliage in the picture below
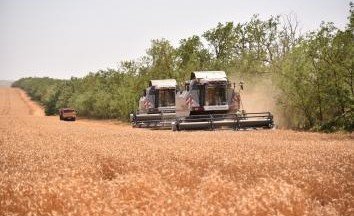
(316, 80)
(105, 94)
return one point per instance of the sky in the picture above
(65, 38)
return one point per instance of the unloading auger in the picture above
(157, 105)
(209, 102)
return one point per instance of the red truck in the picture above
(67, 114)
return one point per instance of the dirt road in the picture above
(50, 167)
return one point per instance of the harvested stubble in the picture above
(99, 168)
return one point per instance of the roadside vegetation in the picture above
(312, 72)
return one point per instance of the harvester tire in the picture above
(174, 126)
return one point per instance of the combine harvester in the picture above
(157, 105)
(209, 102)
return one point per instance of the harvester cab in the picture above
(208, 92)
(209, 101)
(157, 105)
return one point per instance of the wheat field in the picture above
(52, 167)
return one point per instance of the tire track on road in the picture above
(15, 102)
(4, 102)
(34, 108)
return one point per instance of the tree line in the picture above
(313, 72)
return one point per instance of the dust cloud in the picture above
(260, 96)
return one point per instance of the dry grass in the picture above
(48, 167)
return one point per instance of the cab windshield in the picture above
(68, 110)
(215, 95)
(166, 97)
